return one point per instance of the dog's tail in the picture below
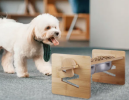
(5, 20)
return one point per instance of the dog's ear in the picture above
(31, 35)
(31, 31)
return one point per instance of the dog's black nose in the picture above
(56, 33)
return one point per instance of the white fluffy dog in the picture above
(22, 41)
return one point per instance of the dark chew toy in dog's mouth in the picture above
(47, 52)
(47, 49)
(54, 41)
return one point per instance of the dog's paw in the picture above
(23, 75)
(9, 69)
(47, 70)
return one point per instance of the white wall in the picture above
(109, 23)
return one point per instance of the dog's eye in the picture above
(48, 27)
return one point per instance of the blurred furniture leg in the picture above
(71, 27)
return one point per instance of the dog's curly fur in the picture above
(18, 42)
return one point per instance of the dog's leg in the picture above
(20, 65)
(42, 66)
(7, 62)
